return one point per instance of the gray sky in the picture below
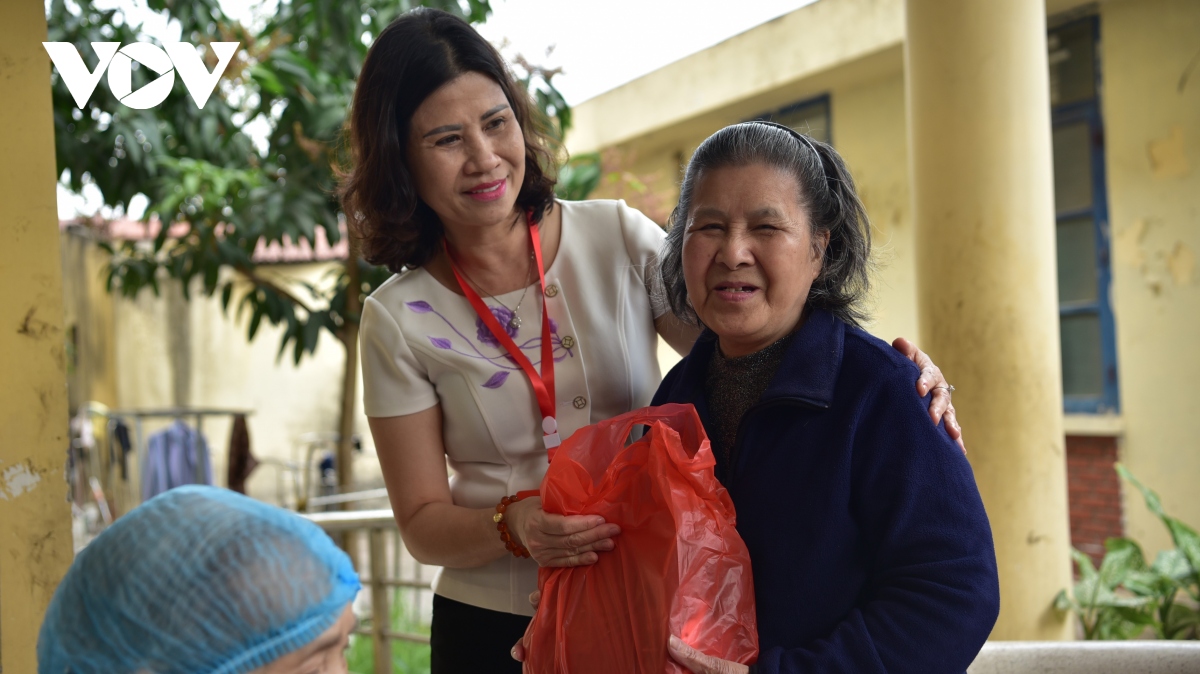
(599, 45)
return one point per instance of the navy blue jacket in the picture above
(870, 546)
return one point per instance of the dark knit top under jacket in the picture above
(737, 383)
(869, 543)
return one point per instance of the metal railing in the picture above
(350, 497)
(379, 538)
(389, 571)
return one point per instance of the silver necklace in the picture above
(514, 321)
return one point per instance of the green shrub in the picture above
(407, 657)
(1125, 596)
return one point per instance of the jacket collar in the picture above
(807, 374)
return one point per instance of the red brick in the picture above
(1094, 492)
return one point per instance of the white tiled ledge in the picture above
(1087, 657)
(1093, 424)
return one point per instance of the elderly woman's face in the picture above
(748, 255)
(466, 152)
(324, 655)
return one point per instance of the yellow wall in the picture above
(869, 132)
(1152, 137)
(88, 320)
(35, 525)
(868, 123)
(171, 352)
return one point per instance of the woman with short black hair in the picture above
(513, 320)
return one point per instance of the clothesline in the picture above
(137, 416)
(168, 412)
(138, 442)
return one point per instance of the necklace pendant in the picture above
(514, 322)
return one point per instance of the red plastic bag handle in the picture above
(690, 433)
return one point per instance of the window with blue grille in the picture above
(1089, 355)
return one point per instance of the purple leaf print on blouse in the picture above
(503, 316)
(497, 380)
(502, 360)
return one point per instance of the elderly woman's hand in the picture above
(559, 540)
(931, 378)
(699, 663)
(519, 649)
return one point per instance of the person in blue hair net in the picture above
(202, 580)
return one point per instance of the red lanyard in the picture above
(543, 385)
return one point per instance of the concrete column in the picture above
(979, 129)
(35, 519)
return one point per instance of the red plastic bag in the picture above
(679, 566)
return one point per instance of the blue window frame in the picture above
(1089, 354)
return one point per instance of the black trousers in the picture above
(465, 639)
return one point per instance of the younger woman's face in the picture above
(748, 255)
(324, 655)
(466, 152)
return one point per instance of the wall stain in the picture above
(43, 555)
(1034, 539)
(1127, 245)
(1181, 262)
(1167, 158)
(18, 479)
(1158, 267)
(1187, 72)
(34, 327)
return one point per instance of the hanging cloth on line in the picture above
(120, 446)
(173, 458)
(543, 384)
(241, 461)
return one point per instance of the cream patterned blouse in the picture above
(423, 345)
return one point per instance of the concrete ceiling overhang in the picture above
(802, 53)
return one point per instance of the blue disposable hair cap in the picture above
(198, 580)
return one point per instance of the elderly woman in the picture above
(512, 320)
(201, 580)
(869, 543)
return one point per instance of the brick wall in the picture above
(1094, 493)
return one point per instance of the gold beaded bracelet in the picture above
(512, 546)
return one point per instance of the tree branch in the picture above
(253, 277)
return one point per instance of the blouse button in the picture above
(568, 342)
(551, 290)
(580, 402)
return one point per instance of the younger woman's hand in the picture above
(699, 663)
(931, 379)
(559, 540)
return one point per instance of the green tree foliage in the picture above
(222, 195)
(1126, 595)
(200, 169)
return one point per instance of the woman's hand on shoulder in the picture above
(699, 663)
(931, 378)
(559, 540)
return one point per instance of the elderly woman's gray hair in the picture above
(826, 192)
